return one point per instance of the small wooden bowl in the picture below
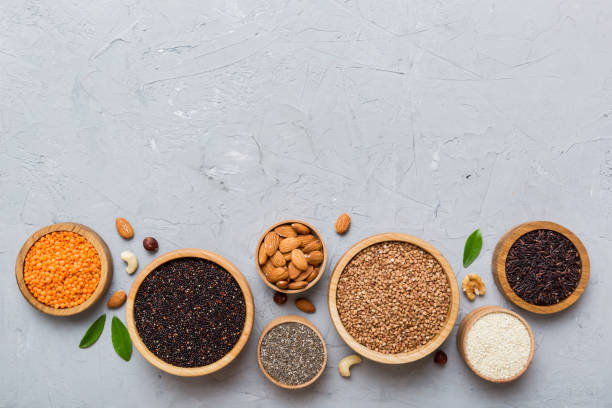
(190, 371)
(467, 323)
(399, 358)
(290, 319)
(498, 266)
(106, 272)
(262, 275)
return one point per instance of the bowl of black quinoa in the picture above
(541, 267)
(190, 312)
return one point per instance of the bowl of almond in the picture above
(290, 256)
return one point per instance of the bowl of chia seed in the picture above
(190, 312)
(291, 352)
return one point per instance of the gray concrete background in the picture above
(203, 122)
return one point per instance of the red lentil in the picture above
(62, 269)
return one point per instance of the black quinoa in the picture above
(189, 312)
(543, 267)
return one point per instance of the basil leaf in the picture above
(93, 333)
(472, 248)
(121, 339)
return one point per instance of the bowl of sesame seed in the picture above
(393, 298)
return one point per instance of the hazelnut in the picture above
(280, 298)
(440, 357)
(150, 244)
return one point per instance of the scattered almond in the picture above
(305, 305)
(271, 242)
(116, 300)
(300, 228)
(343, 223)
(285, 231)
(288, 244)
(124, 228)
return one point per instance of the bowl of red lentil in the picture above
(393, 298)
(190, 312)
(63, 269)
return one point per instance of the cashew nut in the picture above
(131, 261)
(345, 364)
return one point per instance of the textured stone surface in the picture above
(203, 122)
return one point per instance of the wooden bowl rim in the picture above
(498, 266)
(322, 266)
(106, 267)
(399, 358)
(291, 319)
(190, 371)
(467, 323)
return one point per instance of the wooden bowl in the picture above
(190, 371)
(399, 358)
(106, 262)
(498, 266)
(262, 275)
(291, 319)
(467, 323)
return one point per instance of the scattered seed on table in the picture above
(292, 353)
(189, 312)
(393, 297)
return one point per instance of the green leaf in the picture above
(472, 248)
(93, 333)
(121, 339)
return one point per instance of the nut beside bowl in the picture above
(420, 351)
(286, 250)
(190, 371)
(106, 271)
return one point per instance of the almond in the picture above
(286, 231)
(306, 239)
(300, 228)
(305, 305)
(299, 260)
(278, 259)
(124, 228)
(313, 246)
(293, 271)
(343, 223)
(303, 275)
(277, 274)
(297, 285)
(271, 242)
(313, 275)
(262, 257)
(287, 257)
(314, 257)
(267, 267)
(288, 244)
(282, 284)
(116, 300)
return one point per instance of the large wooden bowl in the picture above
(262, 275)
(290, 319)
(498, 266)
(190, 371)
(106, 272)
(399, 358)
(467, 323)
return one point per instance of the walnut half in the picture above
(473, 285)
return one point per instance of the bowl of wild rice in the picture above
(393, 298)
(190, 312)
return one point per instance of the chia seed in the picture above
(292, 353)
(189, 312)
